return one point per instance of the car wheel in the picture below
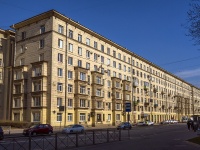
(50, 132)
(71, 131)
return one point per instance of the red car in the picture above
(39, 129)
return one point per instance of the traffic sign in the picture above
(128, 107)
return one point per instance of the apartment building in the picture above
(65, 73)
(7, 46)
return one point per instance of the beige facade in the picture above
(7, 46)
(65, 73)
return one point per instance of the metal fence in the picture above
(61, 141)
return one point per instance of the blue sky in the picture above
(152, 29)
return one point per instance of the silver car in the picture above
(76, 128)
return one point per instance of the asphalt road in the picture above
(159, 137)
(162, 137)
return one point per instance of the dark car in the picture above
(124, 125)
(1, 133)
(39, 129)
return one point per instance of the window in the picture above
(88, 91)
(1, 62)
(17, 88)
(70, 103)
(80, 51)
(82, 103)
(109, 117)
(95, 45)
(82, 117)
(108, 83)
(59, 86)
(60, 29)
(59, 116)
(127, 97)
(36, 116)
(22, 61)
(108, 51)
(70, 61)
(102, 48)
(117, 95)
(108, 61)
(98, 80)
(124, 68)
(102, 59)
(87, 65)
(23, 35)
(82, 76)
(124, 58)
(95, 68)
(99, 104)
(118, 106)
(129, 69)
(87, 41)
(60, 43)
(79, 38)
(37, 86)
(117, 85)
(42, 43)
(60, 72)
(22, 49)
(82, 90)
(119, 56)
(95, 56)
(60, 57)
(114, 74)
(42, 29)
(114, 54)
(80, 63)
(70, 90)
(120, 66)
(41, 57)
(16, 102)
(87, 54)
(108, 72)
(71, 34)
(36, 101)
(70, 74)
(98, 92)
(114, 64)
(59, 101)
(69, 117)
(70, 47)
(118, 117)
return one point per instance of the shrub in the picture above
(16, 124)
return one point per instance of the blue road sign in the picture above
(128, 107)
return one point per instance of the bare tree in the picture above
(194, 21)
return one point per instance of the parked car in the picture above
(1, 133)
(149, 123)
(141, 123)
(174, 121)
(124, 125)
(39, 129)
(75, 128)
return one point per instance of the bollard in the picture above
(93, 137)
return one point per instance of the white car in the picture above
(174, 121)
(141, 123)
(76, 128)
(149, 123)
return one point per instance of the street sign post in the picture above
(128, 109)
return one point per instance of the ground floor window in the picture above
(109, 117)
(117, 117)
(36, 116)
(16, 116)
(82, 117)
(69, 117)
(59, 116)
